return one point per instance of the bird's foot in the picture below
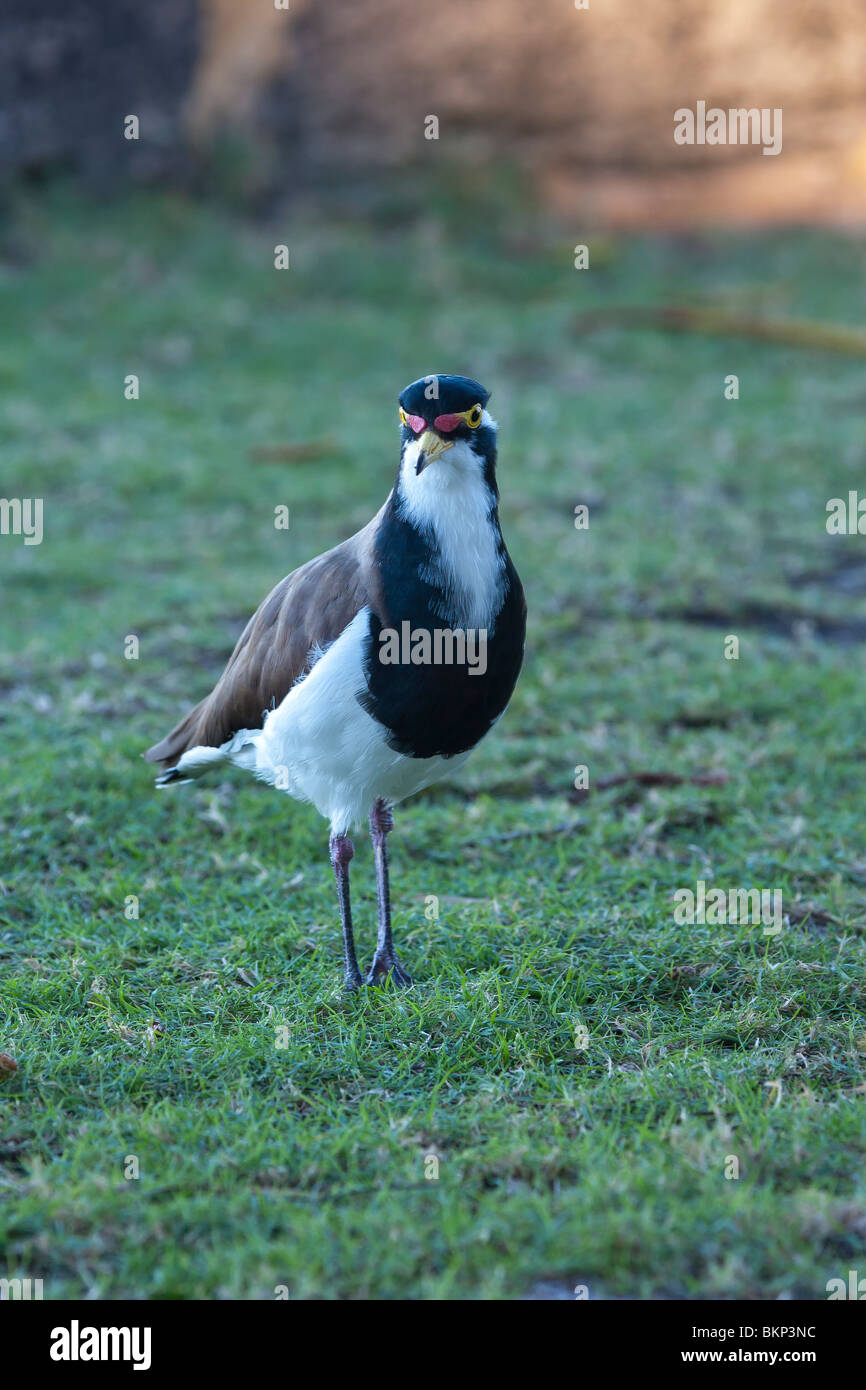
(352, 982)
(387, 967)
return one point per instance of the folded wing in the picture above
(307, 610)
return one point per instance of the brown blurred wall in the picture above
(584, 97)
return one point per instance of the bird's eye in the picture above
(447, 423)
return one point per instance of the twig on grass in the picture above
(721, 323)
(542, 832)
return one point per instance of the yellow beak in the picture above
(432, 445)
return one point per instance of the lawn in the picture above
(559, 1099)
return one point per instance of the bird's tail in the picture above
(183, 758)
(170, 776)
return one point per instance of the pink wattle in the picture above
(446, 423)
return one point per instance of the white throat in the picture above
(450, 503)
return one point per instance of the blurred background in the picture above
(273, 100)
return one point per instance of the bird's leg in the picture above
(342, 852)
(385, 961)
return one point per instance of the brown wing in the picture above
(309, 608)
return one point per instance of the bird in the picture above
(373, 670)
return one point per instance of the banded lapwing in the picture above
(376, 668)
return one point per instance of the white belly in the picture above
(319, 745)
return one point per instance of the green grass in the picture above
(304, 1165)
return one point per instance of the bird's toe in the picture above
(388, 968)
